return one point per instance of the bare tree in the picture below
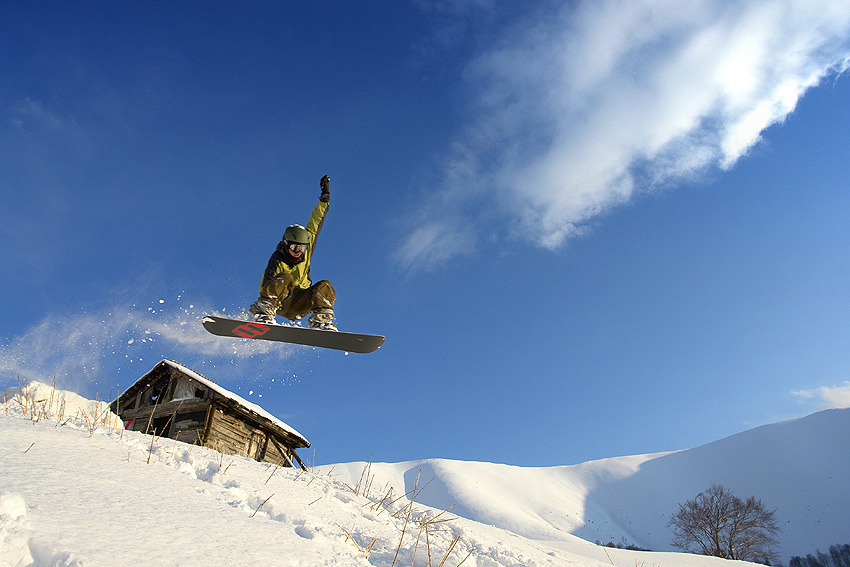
(719, 523)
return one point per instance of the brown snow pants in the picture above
(294, 302)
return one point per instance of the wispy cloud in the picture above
(580, 108)
(826, 397)
(96, 349)
(46, 132)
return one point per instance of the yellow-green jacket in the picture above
(282, 261)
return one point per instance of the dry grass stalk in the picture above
(98, 416)
(409, 509)
(379, 505)
(449, 551)
(408, 514)
(170, 419)
(465, 558)
(428, 542)
(54, 405)
(61, 414)
(415, 548)
(365, 481)
(22, 397)
(150, 417)
(150, 452)
(434, 520)
(348, 536)
(363, 551)
(164, 427)
(368, 478)
(271, 475)
(413, 494)
(262, 504)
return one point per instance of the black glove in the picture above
(325, 184)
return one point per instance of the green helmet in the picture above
(296, 234)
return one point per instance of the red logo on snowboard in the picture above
(251, 330)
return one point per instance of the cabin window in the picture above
(196, 417)
(184, 390)
(159, 425)
(158, 390)
(254, 445)
(128, 404)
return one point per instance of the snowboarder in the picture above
(286, 288)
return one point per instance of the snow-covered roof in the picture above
(239, 400)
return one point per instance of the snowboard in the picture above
(338, 340)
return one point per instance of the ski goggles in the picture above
(296, 248)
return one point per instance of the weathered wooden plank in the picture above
(234, 428)
(223, 432)
(190, 436)
(281, 453)
(165, 409)
(217, 434)
(229, 427)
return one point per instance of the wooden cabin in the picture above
(174, 401)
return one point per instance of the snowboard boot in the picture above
(323, 319)
(263, 311)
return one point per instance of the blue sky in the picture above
(587, 229)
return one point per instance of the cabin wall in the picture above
(230, 434)
(183, 420)
(190, 424)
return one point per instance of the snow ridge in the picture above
(799, 467)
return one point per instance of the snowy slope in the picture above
(76, 491)
(800, 467)
(75, 495)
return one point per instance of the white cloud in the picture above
(431, 244)
(584, 107)
(826, 397)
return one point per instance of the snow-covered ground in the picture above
(75, 490)
(799, 467)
